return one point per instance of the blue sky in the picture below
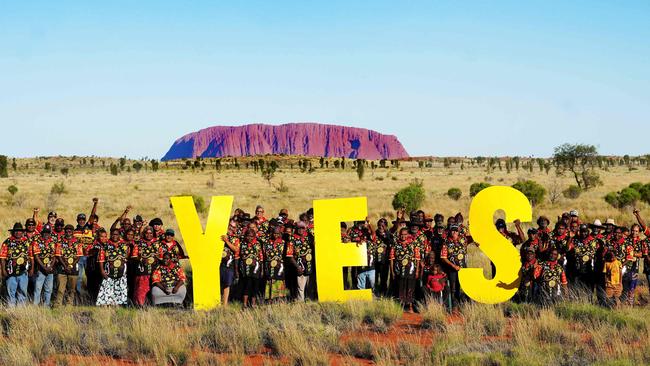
(448, 78)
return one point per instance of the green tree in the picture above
(137, 166)
(3, 166)
(532, 190)
(361, 169)
(410, 198)
(113, 169)
(627, 197)
(579, 159)
(155, 165)
(572, 192)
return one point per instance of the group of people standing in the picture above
(131, 263)
(412, 258)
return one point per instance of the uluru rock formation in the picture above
(308, 139)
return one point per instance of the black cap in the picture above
(584, 227)
(501, 223)
(68, 227)
(170, 232)
(532, 230)
(454, 228)
(81, 216)
(46, 231)
(30, 222)
(51, 214)
(17, 227)
(138, 218)
(156, 221)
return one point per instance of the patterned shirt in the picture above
(113, 255)
(69, 250)
(17, 253)
(251, 257)
(585, 252)
(145, 252)
(455, 252)
(228, 256)
(550, 275)
(44, 250)
(405, 256)
(299, 247)
(168, 274)
(273, 258)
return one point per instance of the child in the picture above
(613, 287)
(436, 284)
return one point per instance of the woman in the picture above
(404, 268)
(251, 258)
(144, 255)
(168, 282)
(633, 248)
(112, 266)
(274, 250)
(229, 258)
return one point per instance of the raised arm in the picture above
(640, 220)
(93, 212)
(122, 217)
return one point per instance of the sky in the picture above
(448, 78)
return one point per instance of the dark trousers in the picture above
(457, 294)
(381, 278)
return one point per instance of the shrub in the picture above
(454, 193)
(637, 186)
(137, 166)
(572, 192)
(645, 193)
(625, 198)
(532, 190)
(65, 171)
(475, 188)
(113, 169)
(12, 189)
(410, 198)
(199, 203)
(58, 188)
(361, 169)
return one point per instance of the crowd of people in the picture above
(414, 258)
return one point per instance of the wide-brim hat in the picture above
(610, 222)
(402, 221)
(596, 225)
(17, 227)
(543, 218)
(415, 223)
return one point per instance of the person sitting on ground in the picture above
(168, 282)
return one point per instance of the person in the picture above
(514, 238)
(123, 221)
(158, 230)
(633, 248)
(453, 255)
(366, 274)
(85, 236)
(436, 284)
(551, 279)
(613, 287)
(300, 255)
(169, 244)
(16, 262)
(583, 248)
(228, 269)
(532, 243)
(43, 248)
(67, 252)
(251, 260)
(527, 286)
(274, 250)
(93, 273)
(543, 225)
(112, 267)
(144, 254)
(404, 260)
(168, 282)
(384, 243)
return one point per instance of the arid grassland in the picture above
(573, 333)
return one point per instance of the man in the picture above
(67, 252)
(543, 225)
(123, 221)
(384, 243)
(514, 238)
(582, 264)
(300, 255)
(405, 268)
(169, 244)
(262, 222)
(43, 249)
(528, 287)
(532, 243)
(551, 279)
(633, 248)
(228, 271)
(453, 255)
(85, 237)
(559, 240)
(16, 263)
(360, 233)
(283, 216)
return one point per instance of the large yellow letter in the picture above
(500, 251)
(204, 248)
(331, 254)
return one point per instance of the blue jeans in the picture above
(366, 277)
(44, 284)
(17, 289)
(82, 265)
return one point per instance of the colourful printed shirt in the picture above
(172, 247)
(44, 250)
(406, 257)
(455, 252)
(528, 273)
(113, 256)
(631, 247)
(145, 253)
(69, 250)
(17, 253)
(251, 257)
(585, 252)
(299, 247)
(550, 275)
(84, 236)
(168, 274)
(228, 256)
(274, 258)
